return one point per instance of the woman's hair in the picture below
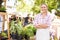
(44, 4)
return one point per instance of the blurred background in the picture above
(16, 18)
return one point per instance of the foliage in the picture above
(19, 0)
(23, 5)
(55, 38)
(35, 5)
(30, 26)
(52, 4)
(15, 27)
(19, 28)
(36, 9)
(2, 8)
(3, 34)
(12, 27)
(29, 30)
(20, 5)
(58, 5)
(58, 13)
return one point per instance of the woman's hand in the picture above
(41, 26)
(37, 26)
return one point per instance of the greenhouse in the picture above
(18, 18)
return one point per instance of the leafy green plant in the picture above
(15, 27)
(29, 30)
(19, 28)
(2, 8)
(3, 34)
(12, 27)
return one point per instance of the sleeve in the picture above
(49, 21)
(35, 21)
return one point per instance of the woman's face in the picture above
(43, 8)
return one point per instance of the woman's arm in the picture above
(43, 26)
(47, 24)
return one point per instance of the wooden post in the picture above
(3, 15)
(7, 21)
(8, 27)
(3, 22)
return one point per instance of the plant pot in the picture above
(14, 36)
(27, 37)
(2, 11)
(4, 38)
(20, 37)
(34, 33)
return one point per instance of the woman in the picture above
(42, 23)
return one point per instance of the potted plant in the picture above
(29, 31)
(21, 32)
(31, 27)
(15, 29)
(4, 36)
